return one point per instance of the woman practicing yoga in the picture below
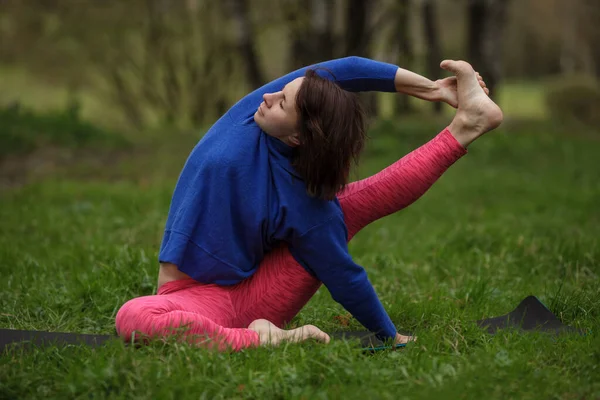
(262, 212)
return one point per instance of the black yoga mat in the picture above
(368, 340)
(530, 315)
(29, 339)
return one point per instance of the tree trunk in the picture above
(486, 20)
(596, 59)
(356, 27)
(406, 56)
(568, 45)
(322, 29)
(356, 40)
(296, 14)
(433, 45)
(592, 11)
(125, 98)
(245, 41)
(476, 21)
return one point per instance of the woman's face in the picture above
(277, 114)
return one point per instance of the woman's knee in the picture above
(139, 315)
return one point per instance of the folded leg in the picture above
(178, 314)
(281, 287)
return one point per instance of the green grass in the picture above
(518, 215)
(23, 131)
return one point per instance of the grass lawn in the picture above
(519, 215)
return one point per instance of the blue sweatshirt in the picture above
(238, 196)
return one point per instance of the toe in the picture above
(450, 65)
(445, 63)
(323, 337)
(316, 333)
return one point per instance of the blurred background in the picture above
(109, 77)
(101, 102)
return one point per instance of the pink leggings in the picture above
(210, 315)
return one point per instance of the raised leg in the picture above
(400, 184)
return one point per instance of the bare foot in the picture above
(477, 113)
(270, 334)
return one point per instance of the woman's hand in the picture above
(446, 90)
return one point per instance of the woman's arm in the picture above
(412, 84)
(324, 251)
(355, 74)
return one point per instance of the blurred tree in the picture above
(163, 62)
(485, 23)
(356, 34)
(568, 39)
(310, 24)
(592, 33)
(184, 62)
(313, 38)
(160, 61)
(245, 41)
(403, 40)
(357, 37)
(323, 13)
(296, 17)
(433, 48)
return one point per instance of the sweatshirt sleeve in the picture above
(354, 74)
(324, 251)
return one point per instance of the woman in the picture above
(262, 211)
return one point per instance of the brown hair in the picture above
(332, 135)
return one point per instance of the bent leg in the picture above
(169, 315)
(400, 184)
(276, 292)
(281, 287)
